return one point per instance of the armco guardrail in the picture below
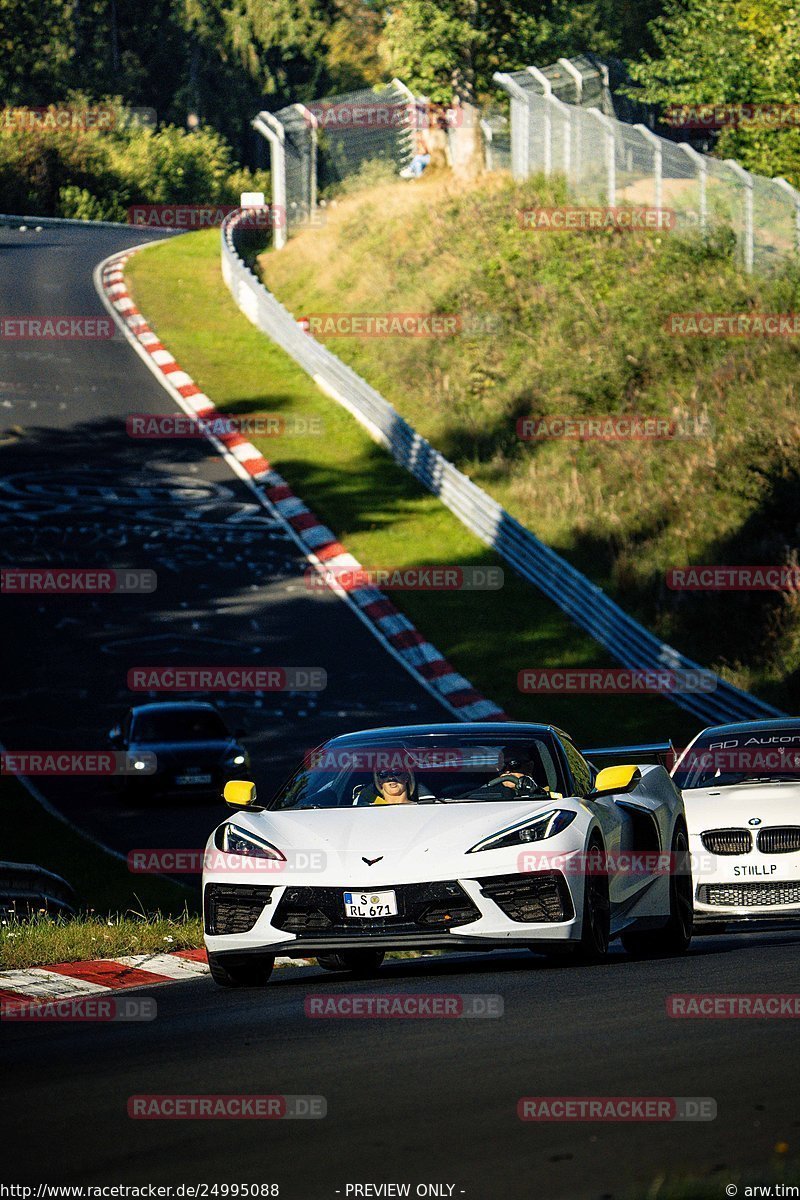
(583, 601)
(26, 888)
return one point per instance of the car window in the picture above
(582, 773)
(194, 725)
(447, 768)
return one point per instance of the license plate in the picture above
(192, 779)
(370, 904)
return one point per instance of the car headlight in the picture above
(543, 826)
(239, 841)
(238, 760)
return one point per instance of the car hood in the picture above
(393, 834)
(196, 753)
(724, 807)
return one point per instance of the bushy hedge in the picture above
(49, 167)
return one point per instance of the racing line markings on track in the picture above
(318, 543)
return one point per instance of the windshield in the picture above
(715, 760)
(424, 769)
(195, 725)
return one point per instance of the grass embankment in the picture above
(119, 913)
(583, 335)
(381, 514)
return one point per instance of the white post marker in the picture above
(270, 128)
(610, 152)
(747, 180)
(702, 178)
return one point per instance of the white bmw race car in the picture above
(741, 788)
(447, 837)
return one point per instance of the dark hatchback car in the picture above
(194, 751)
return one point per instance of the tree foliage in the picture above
(728, 52)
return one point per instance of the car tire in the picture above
(596, 924)
(361, 963)
(674, 937)
(254, 973)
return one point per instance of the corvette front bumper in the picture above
(530, 909)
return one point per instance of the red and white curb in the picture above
(319, 544)
(80, 980)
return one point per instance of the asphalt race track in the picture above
(419, 1101)
(408, 1101)
(76, 490)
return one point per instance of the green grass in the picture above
(44, 939)
(583, 317)
(712, 1186)
(103, 883)
(381, 514)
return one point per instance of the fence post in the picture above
(488, 157)
(577, 78)
(270, 128)
(564, 112)
(747, 180)
(413, 108)
(702, 178)
(658, 162)
(794, 195)
(520, 125)
(547, 91)
(313, 124)
(610, 148)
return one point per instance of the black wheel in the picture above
(675, 936)
(356, 962)
(251, 973)
(596, 925)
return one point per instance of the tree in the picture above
(728, 52)
(443, 48)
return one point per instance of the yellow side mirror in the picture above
(240, 793)
(616, 779)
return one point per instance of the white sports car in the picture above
(741, 787)
(452, 837)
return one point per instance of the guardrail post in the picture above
(520, 125)
(270, 128)
(658, 162)
(702, 179)
(794, 195)
(747, 180)
(610, 153)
